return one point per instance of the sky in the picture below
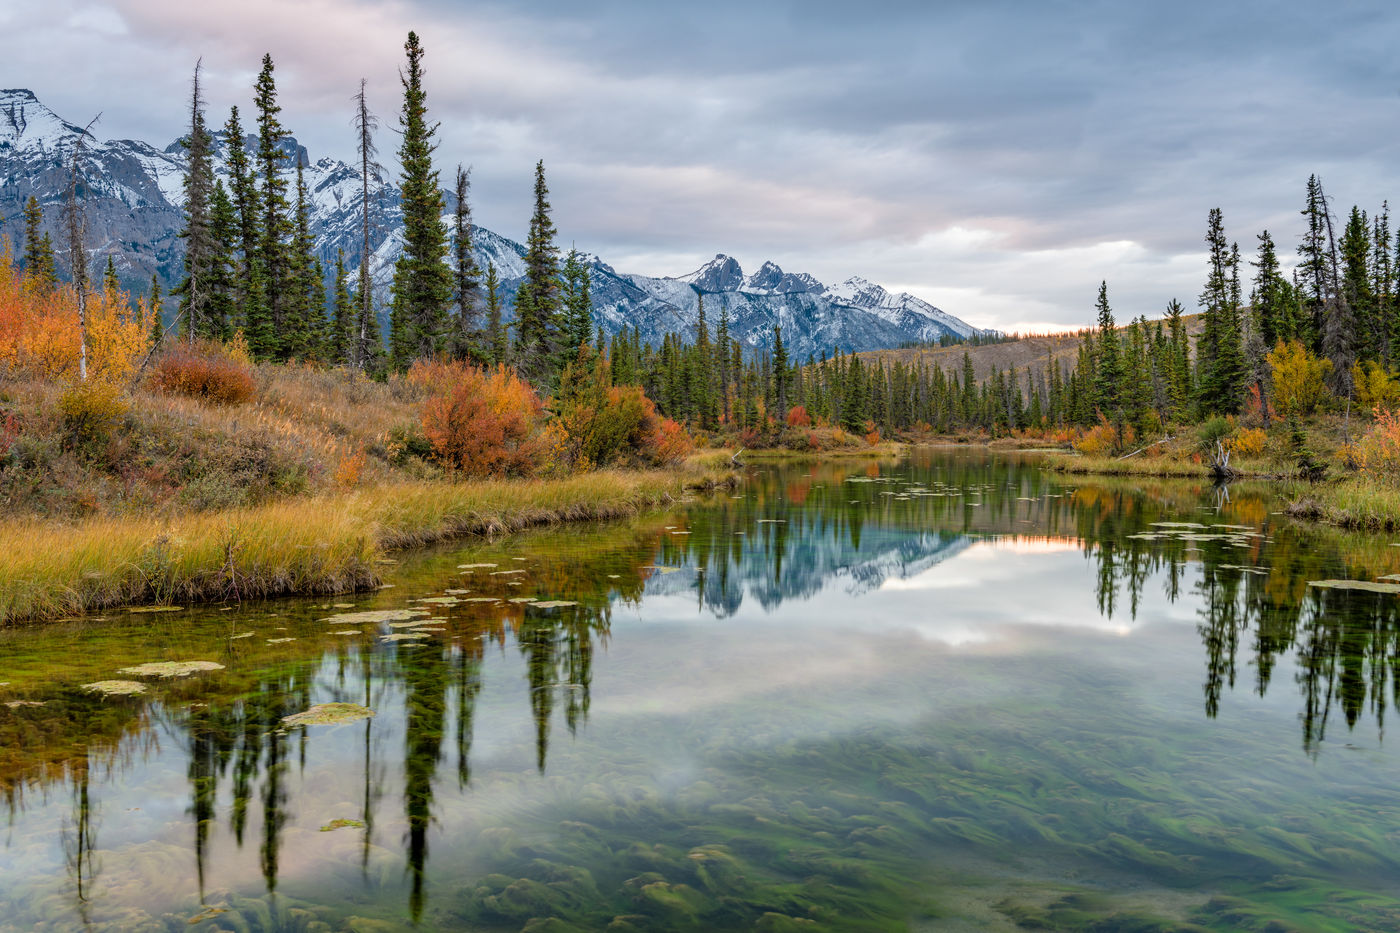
(997, 159)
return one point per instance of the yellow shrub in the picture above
(1102, 439)
(1250, 442)
(91, 408)
(1375, 386)
(1298, 378)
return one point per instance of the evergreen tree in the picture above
(38, 259)
(1220, 352)
(110, 283)
(422, 287)
(537, 298)
(157, 325)
(722, 359)
(1383, 285)
(499, 341)
(196, 289)
(243, 192)
(1356, 285)
(342, 342)
(1270, 311)
(577, 304)
(466, 284)
(275, 277)
(221, 309)
(1108, 383)
(306, 313)
(781, 375)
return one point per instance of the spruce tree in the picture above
(110, 283)
(1270, 312)
(1383, 284)
(499, 340)
(781, 374)
(1357, 289)
(195, 290)
(466, 277)
(537, 298)
(265, 338)
(304, 322)
(157, 325)
(38, 258)
(1108, 382)
(722, 369)
(577, 304)
(343, 330)
(221, 309)
(422, 287)
(368, 346)
(243, 191)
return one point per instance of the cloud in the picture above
(993, 157)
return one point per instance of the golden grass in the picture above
(316, 545)
(1350, 502)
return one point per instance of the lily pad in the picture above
(116, 688)
(662, 569)
(242, 635)
(553, 604)
(342, 824)
(482, 599)
(375, 616)
(503, 573)
(439, 600)
(1390, 576)
(328, 714)
(141, 610)
(171, 668)
(402, 636)
(522, 599)
(346, 631)
(16, 704)
(474, 566)
(1366, 585)
(279, 641)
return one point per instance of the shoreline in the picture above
(311, 546)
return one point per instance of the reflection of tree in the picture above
(426, 676)
(79, 839)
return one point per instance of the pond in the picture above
(953, 692)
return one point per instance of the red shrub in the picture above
(9, 430)
(483, 423)
(204, 370)
(797, 417)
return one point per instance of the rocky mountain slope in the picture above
(133, 194)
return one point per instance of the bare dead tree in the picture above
(365, 125)
(77, 245)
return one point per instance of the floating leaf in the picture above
(116, 688)
(474, 566)
(482, 599)
(1356, 585)
(346, 631)
(138, 610)
(279, 641)
(662, 569)
(375, 616)
(522, 599)
(342, 824)
(16, 704)
(326, 714)
(439, 600)
(504, 573)
(241, 635)
(171, 668)
(553, 604)
(402, 636)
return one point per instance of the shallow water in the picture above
(957, 693)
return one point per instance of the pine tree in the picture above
(110, 283)
(276, 279)
(577, 304)
(38, 257)
(342, 342)
(1108, 382)
(243, 192)
(221, 309)
(722, 359)
(1270, 312)
(537, 298)
(466, 278)
(195, 290)
(422, 287)
(1220, 351)
(304, 322)
(781, 375)
(157, 325)
(1383, 285)
(1356, 284)
(499, 340)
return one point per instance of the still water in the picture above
(951, 693)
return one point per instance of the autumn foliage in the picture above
(600, 424)
(204, 369)
(1298, 378)
(40, 337)
(1378, 452)
(481, 422)
(797, 417)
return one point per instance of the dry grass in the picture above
(316, 545)
(1352, 502)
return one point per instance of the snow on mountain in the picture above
(135, 192)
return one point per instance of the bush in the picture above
(1378, 452)
(669, 444)
(480, 422)
(1212, 430)
(1251, 442)
(1298, 378)
(1103, 439)
(205, 370)
(1376, 388)
(797, 417)
(9, 432)
(90, 409)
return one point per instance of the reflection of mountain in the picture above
(801, 557)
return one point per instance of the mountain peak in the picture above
(721, 274)
(26, 122)
(770, 279)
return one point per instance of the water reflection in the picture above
(832, 538)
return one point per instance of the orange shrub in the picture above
(480, 422)
(1378, 452)
(669, 443)
(797, 417)
(9, 431)
(40, 337)
(1102, 439)
(204, 369)
(347, 472)
(873, 437)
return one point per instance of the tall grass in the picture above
(318, 545)
(1351, 502)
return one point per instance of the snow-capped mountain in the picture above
(133, 193)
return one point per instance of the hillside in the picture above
(1027, 353)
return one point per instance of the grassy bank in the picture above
(322, 544)
(1156, 466)
(1359, 502)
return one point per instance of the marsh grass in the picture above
(316, 545)
(1356, 501)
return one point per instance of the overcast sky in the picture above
(997, 159)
